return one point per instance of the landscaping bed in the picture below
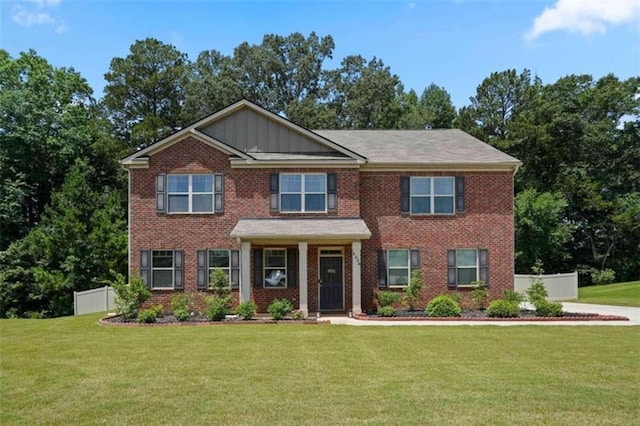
(170, 320)
(481, 315)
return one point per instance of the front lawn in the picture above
(73, 370)
(622, 294)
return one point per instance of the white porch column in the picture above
(245, 271)
(302, 274)
(356, 285)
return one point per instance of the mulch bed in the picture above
(170, 320)
(480, 315)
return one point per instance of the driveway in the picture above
(632, 313)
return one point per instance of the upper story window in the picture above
(200, 193)
(432, 195)
(303, 192)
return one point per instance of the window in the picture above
(398, 268)
(467, 266)
(194, 193)
(432, 195)
(219, 259)
(275, 268)
(303, 192)
(162, 269)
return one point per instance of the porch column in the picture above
(245, 271)
(356, 286)
(302, 274)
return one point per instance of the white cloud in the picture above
(584, 16)
(40, 15)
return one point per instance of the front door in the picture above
(331, 285)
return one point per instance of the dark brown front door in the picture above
(331, 285)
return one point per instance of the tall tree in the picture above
(144, 93)
(438, 108)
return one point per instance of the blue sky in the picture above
(455, 44)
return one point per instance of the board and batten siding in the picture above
(249, 131)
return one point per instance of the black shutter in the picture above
(332, 189)
(178, 269)
(145, 267)
(405, 190)
(452, 276)
(483, 262)
(258, 278)
(382, 268)
(459, 194)
(160, 193)
(274, 191)
(235, 268)
(415, 260)
(202, 281)
(292, 267)
(218, 193)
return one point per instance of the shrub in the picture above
(219, 283)
(502, 308)
(217, 307)
(412, 290)
(455, 296)
(158, 309)
(179, 302)
(537, 292)
(479, 295)
(130, 296)
(512, 296)
(443, 306)
(246, 310)
(147, 316)
(387, 298)
(279, 308)
(606, 276)
(545, 308)
(181, 314)
(298, 315)
(386, 311)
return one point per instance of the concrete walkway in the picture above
(632, 313)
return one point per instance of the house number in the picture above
(331, 271)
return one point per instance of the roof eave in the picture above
(511, 166)
(241, 163)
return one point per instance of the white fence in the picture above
(559, 286)
(96, 300)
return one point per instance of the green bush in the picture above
(387, 298)
(279, 308)
(545, 308)
(455, 296)
(179, 302)
(147, 316)
(537, 292)
(502, 308)
(158, 309)
(443, 306)
(606, 276)
(246, 310)
(479, 295)
(181, 314)
(386, 311)
(512, 296)
(412, 290)
(297, 315)
(217, 307)
(129, 297)
(220, 283)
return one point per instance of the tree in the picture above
(438, 110)
(144, 93)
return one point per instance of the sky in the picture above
(454, 44)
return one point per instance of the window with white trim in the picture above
(162, 269)
(398, 268)
(303, 192)
(220, 259)
(190, 193)
(432, 195)
(275, 268)
(466, 266)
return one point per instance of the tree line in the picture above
(63, 193)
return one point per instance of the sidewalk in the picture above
(632, 313)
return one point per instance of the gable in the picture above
(249, 131)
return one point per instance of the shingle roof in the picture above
(444, 147)
(295, 228)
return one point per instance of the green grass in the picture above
(623, 294)
(75, 371)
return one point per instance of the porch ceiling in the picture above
(301, 229)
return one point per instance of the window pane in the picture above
(420, 205)
(202, 203)
(162, 279)
(162, 259)
(443, 186)
(218, 258)
(420, 186)
(202, 183)
(290, 183)
(314, 183)
(466, 275)
(275, 258)
(466, 257)
(290, 203)
(178, 183)
(275, 277)
(178, 203)
(314, 202)
(443, 204)
(398, 258)
(398, 276)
